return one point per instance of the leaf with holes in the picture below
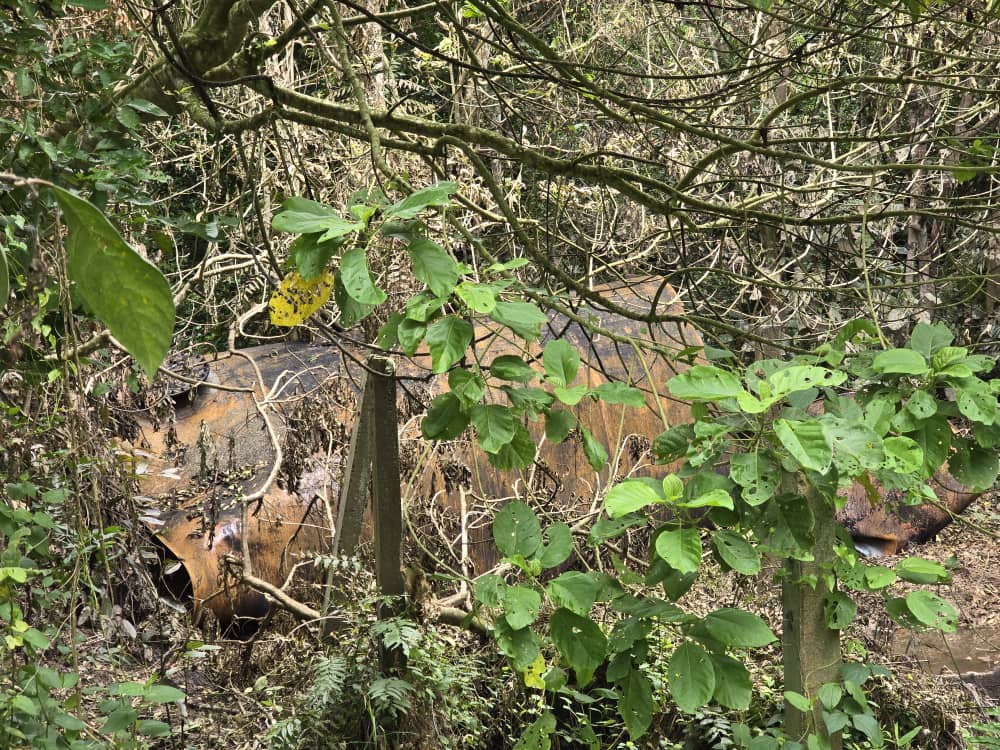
(705, 383)
(736, 552)
(691, 677)
(580, 641)
(806, 443)
(516, 530)
(296, 299)
(758, 474)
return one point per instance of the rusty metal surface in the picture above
(217, 449)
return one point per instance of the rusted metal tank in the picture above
(277, 418)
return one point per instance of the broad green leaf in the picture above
(580, 641)
(717, 498)
(797, 700)
(799, 378)
(311, 256)
(152, 728)
(597, 455)
(358, 282)
(866, 723)
(521, 646)
(570, 396)
(736, 552)
(296, 299)
(737, 627)
(468, 386)
(605, 529)
(758, 474)
(630, 496)
(839, 610)
(575, 591)
(732, 683)
(119, 719)
(351, 311)
(855, 446)
(303, 216)
(424, 306)
(680, 549)
(510, 367)
(433, 266)
(928, 339)
(494, 425)
(521, 605)
(516, 530)
(445, 419)
(902, 455)
(931, 610)
(976, 401)
(673, 444)
(975, 467)
(15, 573)
(538, 734)
(448, 339)
(124, 291)
(438, 194)
(558, 424)
(900, 361)
(619, 393)
(921, 405)
(529, 400)
(488, 589)
(410, 333)
(523, 318)
(147, 108)
(934, 438)
(919, 570)
(691, 677)
(517, 454)
(162, 694)
(948, 356)
(24, 704)
(636, 703)
(561, 361)
(806, 443)
(478, 297)
(673, 488)
(705, 383)
(829, 695)
(557, 546)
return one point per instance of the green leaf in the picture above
(619, 393)
(24, 704)
(575, 591)
(310, 256)
(797, 700)
(558, 424)
(516, 530)
(900, 361)
(758, 474)
(829, 695)
(357, 281)
(25, 84)
(119, 719)
(596, 455)
(705, 383)
(681, 549)
(736, 552)
(737, 627)
(521, 605)
(152, 728)
(561, 361)
(162, 694)
(468, 386)
(537, 735)
(445, 419)
(580, 641)
(510, 367)
(928, 339)
(448, 339)
(438, 194)
(530, 400)
(520, 646)
(931, 610)
(147, 108)
(902, 455)
(489, 589)
(975, 467)
(691, 677)
(839, 610)
(523, 318)
(125, 292)
(948, 356)
(919, 570)
(636, 703)
(806, 443)
(856, 447)
(494, 425)
(477, 297)
(4, 278)
(921, 405)
(732, 683)
(303, 216)
(630, 496)
(517, 454)
(570, 396)
(433, 266)
(410, 333)
(866, 723)
(127, 117)
(934, 438)
(558, 548)
(717, 498)
(800, 378)
(976, 401)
